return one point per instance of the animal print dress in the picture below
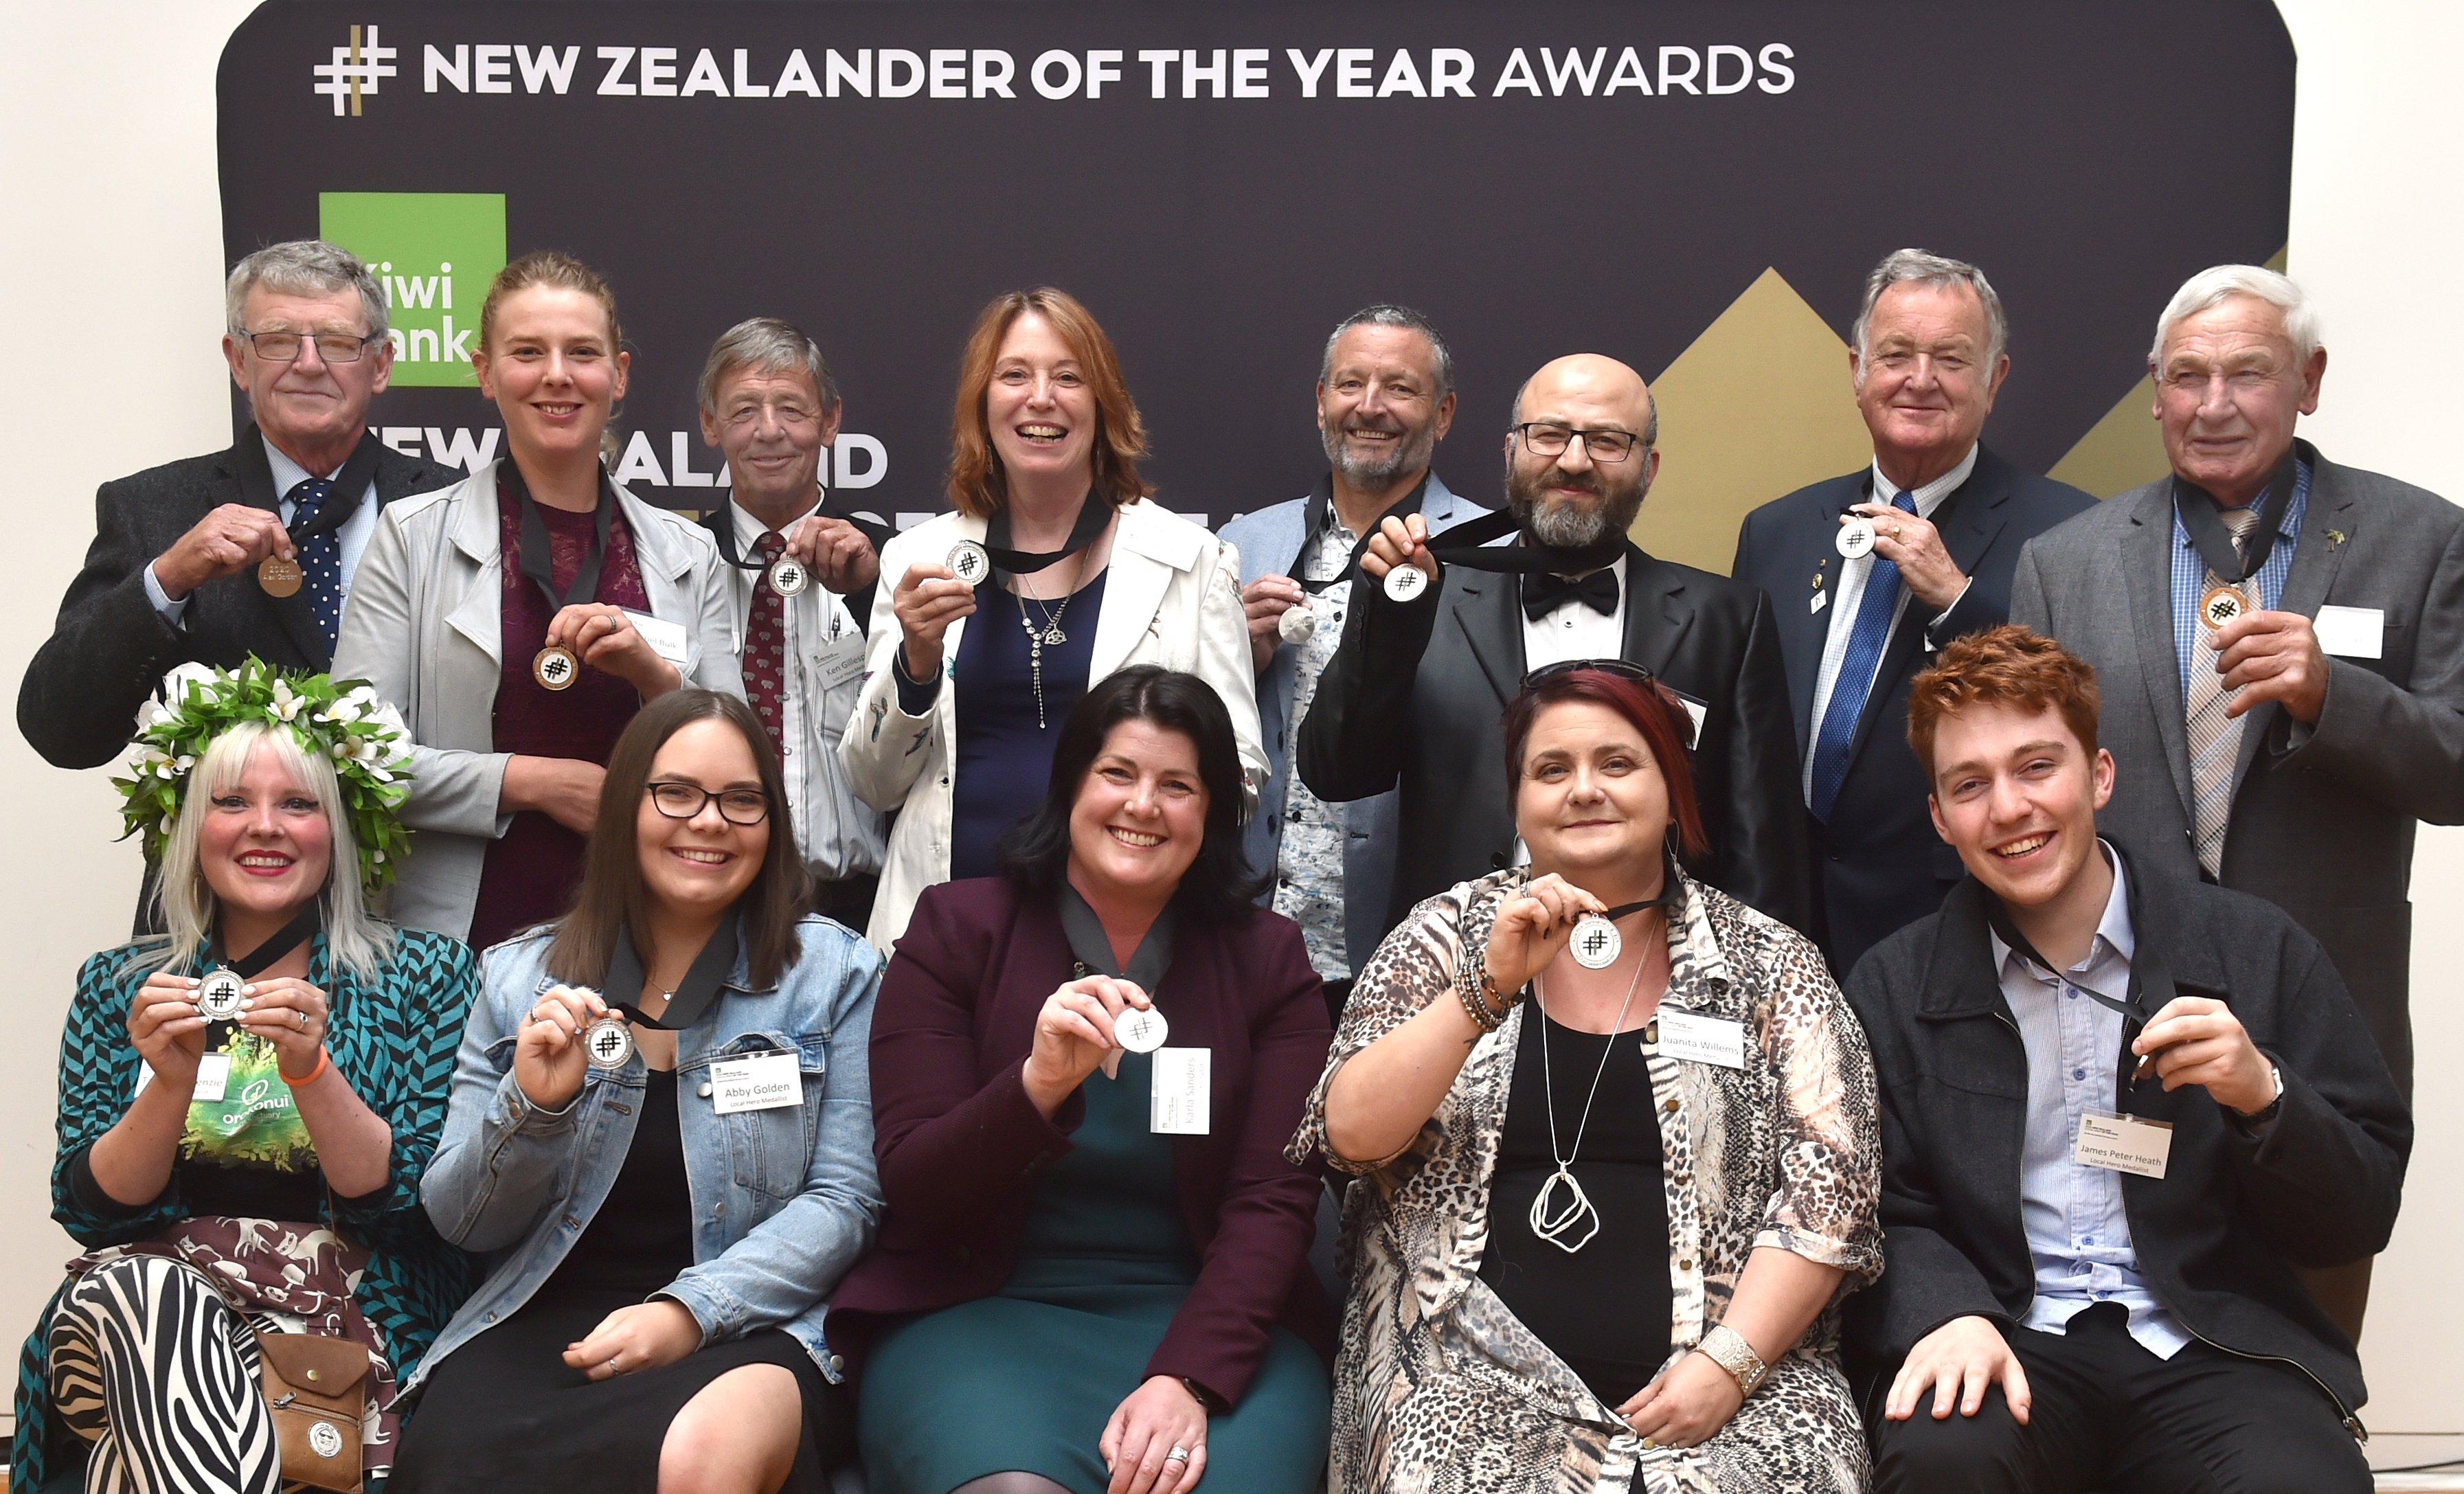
(1441, 1390)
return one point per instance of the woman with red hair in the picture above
(1057, 570)
(1508, 1314)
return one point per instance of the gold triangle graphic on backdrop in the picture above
(1758, 407)
(2124, 449)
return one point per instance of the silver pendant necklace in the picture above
(1551, 1219)
(1049, 635)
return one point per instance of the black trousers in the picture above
(848, 900)
(2109, 1416)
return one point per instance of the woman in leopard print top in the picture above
(1756, 1075)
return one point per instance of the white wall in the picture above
(106, 152)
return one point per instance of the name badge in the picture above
(764, 1081)
(2123, 1144)
(214, 1077)
(1182, 1081)
(1696, 1038)
(1696, 710)
(666, 639)
(840, 658)
(2355, 632)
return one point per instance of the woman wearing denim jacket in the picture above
(663, 1199)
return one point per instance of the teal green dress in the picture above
(1024, 1380)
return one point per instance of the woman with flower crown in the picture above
(245, 1107)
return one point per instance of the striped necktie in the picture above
(2214, 737)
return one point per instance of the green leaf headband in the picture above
(343, 722)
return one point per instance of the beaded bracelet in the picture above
(1473, 987)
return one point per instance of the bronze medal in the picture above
(280, 577)
(2221, 605)
(554, 668)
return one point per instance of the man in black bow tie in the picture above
(1413, 696)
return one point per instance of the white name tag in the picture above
(2123, 1144)
(839, 657)
(1183, 1078)
(1695, 708)
(764, 1082)
(2355, 632)
(1696, 1038)
(666, 639)
(214, 1077)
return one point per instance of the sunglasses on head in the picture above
(1624, 669)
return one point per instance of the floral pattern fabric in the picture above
(1441, 1390)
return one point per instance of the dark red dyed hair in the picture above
(1653, 709)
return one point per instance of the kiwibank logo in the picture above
(433, 254)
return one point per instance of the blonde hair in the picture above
(557, 269)
(354, 940)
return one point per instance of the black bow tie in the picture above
(1543, 593)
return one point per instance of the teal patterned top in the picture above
(392, 1038)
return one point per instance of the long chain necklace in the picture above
(1050, 634)
(1552, 1222)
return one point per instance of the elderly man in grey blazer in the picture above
(1385, 399)
(2281, 642)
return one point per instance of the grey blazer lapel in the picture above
(2143, 555)
(2316, 556)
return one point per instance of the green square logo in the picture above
(434, 254)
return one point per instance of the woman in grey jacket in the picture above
(661, 1144)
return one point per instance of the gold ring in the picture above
(1648, 1445)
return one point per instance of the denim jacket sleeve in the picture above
(494, 1172)
(789, 1262)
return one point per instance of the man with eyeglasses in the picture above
(247, 551)
(803, 583)
(1414, 695)
(1385, 399)
(2281, 640)
(1945, 517)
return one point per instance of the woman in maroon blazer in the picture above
(1090, 1276)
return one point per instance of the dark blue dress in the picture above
(1004, 759)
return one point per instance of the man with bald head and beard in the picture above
(1385, 399)
(1413, 698)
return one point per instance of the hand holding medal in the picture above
(600, 635)
(1534, 925)
(834, 552)
(927, 600)
(1400, 546)
(1085, 1026)
(167, 1028)
(551, 1055)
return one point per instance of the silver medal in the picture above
(1140, 1030)
(220, 993)
(1405, 581)
(1856, 538)
(607, 1042)
(1296, 624)
(968, 561)
(1596, 943)
(788, 576)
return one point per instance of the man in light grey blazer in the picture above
(1385, 399)
(2280, 643)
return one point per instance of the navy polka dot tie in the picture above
(321, 558)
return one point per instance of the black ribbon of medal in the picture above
(1093, 514)
(1596, 942)
(2151, 982)
(555, 666)
(1319, 512)
(223, 987)
(282, 577)
(2214, 543)
(722, 529)
(609, 1041)
(1469, 546)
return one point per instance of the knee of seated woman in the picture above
(747, 1415)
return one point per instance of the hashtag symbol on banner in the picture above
(355, 71)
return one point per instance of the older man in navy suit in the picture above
(1935, 523)
(1385, 399)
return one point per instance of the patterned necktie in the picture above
(2214, 737)
(1866, 637)
(765, 644)
(321, 558)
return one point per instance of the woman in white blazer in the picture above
(1068, 570)
(519, 617)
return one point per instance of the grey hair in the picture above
(2211, 288)
(304, 266)
(354, 940)
(766, 345)
(1388, 314)
(1917, 267)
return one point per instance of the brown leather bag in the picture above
(317, 1389)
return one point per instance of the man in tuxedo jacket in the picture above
(1385, 399)
(1414, 694)
(1949, 517)
(173, 574)
(2281, 640)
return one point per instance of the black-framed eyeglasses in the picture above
(1547, 438)
(679, 800)
(283, 348)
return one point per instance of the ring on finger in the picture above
(1178, 1454)
(302, 1015)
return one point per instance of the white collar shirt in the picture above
(353, 537)
(1572, 630)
